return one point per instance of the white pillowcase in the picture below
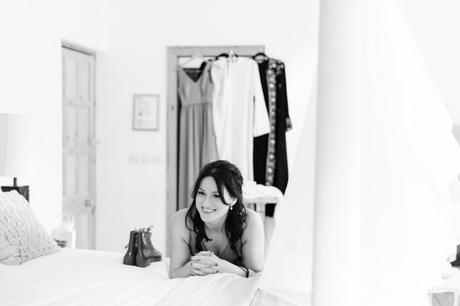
(22, 237)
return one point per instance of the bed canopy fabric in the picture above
(385, 156)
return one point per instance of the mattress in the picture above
(86, 277)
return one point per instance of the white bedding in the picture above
(84, 277)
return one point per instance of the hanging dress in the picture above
(239, 111)
(270, 156)
(197, 142)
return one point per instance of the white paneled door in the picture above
(79, 158)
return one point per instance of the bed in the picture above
(34, 270)
(86, 277)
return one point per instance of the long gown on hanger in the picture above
(270, 154)
(197, 142)
(239, 111)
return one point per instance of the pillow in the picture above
(22, 237)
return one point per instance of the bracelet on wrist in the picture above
(246, 270)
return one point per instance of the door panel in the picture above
(83, 127)
(78, 139)
(82, 221)
(84, 80)
(70, 127)
(83, 173)
(70, 73)
(69, 175)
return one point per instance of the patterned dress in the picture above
(270, 156)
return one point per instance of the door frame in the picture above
(174, 53)
(65, 44)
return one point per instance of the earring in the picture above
(231, 207)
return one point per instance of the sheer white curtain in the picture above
(287, 273)
(409, 159)
(391, 234)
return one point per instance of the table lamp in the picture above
(18, 145)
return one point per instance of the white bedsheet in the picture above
(84, 277)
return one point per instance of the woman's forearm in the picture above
(184, 271)
(228, 267)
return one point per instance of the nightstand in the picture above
(446, 296)
(447, 291)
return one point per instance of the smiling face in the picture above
(208, 202)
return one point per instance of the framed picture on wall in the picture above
(146, 108)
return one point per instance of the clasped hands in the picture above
(206, 262)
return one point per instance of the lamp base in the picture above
(22, 190)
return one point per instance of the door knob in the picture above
(88, 203)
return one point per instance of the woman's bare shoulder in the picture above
(178, 219)
(180, 214)
(253, 222)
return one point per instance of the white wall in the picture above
(130, 38)
(134, 61)
(3, 134)
(31, 77)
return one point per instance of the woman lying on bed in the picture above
(216, 234)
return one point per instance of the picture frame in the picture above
(146, 109)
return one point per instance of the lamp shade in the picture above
(20, 142)
(454, 189)
(3, 140)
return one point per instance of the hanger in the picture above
(193, 58)
(232, 56)
(260, 55)
(222, 55)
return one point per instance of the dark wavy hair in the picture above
(225, 175)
